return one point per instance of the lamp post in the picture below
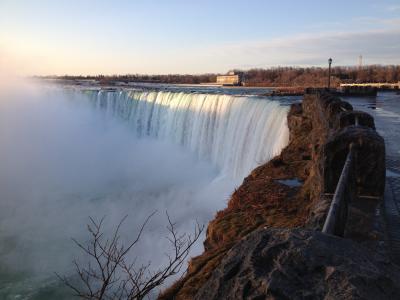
(329, 73)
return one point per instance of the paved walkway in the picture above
(392, 205)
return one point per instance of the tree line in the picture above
(316, 76)
(278, 76)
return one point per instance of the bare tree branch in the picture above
(112, 277)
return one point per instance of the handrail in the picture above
(339, 205)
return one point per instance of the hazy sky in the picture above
(92, 37)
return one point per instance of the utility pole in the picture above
(329, 73)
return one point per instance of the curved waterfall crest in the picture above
(235, 133)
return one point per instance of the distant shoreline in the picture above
(273, 78)
(155, 84)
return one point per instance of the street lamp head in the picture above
(330, 60)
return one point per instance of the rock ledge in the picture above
(301, 264)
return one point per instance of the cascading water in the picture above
(68, 154)
(235, 133)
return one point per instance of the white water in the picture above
(117, 153)
(235, 133)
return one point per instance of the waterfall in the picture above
(62, 161)
(235, 133)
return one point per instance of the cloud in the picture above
(376, 46)
(393, 8)
(377, 39)
(375, 23)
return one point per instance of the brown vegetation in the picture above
(317, 77)
(275, 77)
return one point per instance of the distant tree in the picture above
(277, 76)
(108, 274)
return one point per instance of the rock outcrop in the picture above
(301, 264)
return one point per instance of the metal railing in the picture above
(337, 216)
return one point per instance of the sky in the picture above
(81, 37)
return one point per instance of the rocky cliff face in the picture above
(291, 191)
(301, 264)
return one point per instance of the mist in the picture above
(61, 162)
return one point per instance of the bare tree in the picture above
(108, 274)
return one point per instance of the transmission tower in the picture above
(360, 61)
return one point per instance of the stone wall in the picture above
(335, 126)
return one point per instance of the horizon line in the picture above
(213, 73)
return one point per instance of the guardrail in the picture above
(337, 215)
